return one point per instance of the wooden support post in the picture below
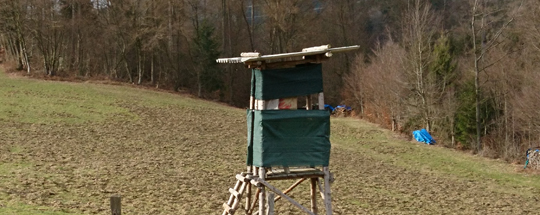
(252, 207)
(321, 101)
(321, 191)
(286, 169)
(292, 201)
(248, 192)
(314, 192)
(116, 205)
(270, 203)
(290, 188)
(327, 192)
(262, 194)
(309, 103)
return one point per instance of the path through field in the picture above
(65, 148)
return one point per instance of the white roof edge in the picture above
(308, 52)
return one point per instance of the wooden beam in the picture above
(270, 204)
(327, 192)
(309, 102)
(248, 192)
(321, 191)
(277, 191)
(282, 176)
(290, 188)
(252, 206)
(262, 194)
(313, 189)
(306, 53)
(321, 101)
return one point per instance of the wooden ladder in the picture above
(236, 194)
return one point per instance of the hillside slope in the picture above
(65, 148)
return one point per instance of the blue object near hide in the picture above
(329, 107)
(423, 136)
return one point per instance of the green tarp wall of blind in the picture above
(302, 80)
(288, 138)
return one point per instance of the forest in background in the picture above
(466, 70)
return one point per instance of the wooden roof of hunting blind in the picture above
(308, 55)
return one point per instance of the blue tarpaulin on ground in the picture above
(423, 136)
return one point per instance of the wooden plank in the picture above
(321, 101)
(290, 188)
(277, 191)
(262, 194)
(284, 64)
(314, 195)
(282, 176)
(116, 205)
(327, 192)
(270, 204)
(286, 55)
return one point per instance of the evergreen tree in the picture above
(205, 53)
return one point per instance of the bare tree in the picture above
(485, 36)
(13, 19)
(419, 33)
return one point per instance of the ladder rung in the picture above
(228, 208)
(242, 178)
(235, 193)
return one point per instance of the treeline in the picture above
(466, 70)
(172, 44)
(468, 73)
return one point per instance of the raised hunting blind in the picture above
(285, 142)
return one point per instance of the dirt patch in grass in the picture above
(179, 155)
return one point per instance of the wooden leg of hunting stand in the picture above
(262, 194)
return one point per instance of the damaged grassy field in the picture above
(65, 148)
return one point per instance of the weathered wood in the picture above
(277, 191)
(321, 191)
(327, 192)
(228, 209)
(284, 64)
(248, 192)
(231, 198)
(234, 192)
(270, 204)
(309, 52)
(243, 178)
(321, 101)
(309, 102)
(314, 195)
(290, 188)
(116, 205)
(252, 206)
(239, 196)
(262, 194)
(282, 176)
(286, 169)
